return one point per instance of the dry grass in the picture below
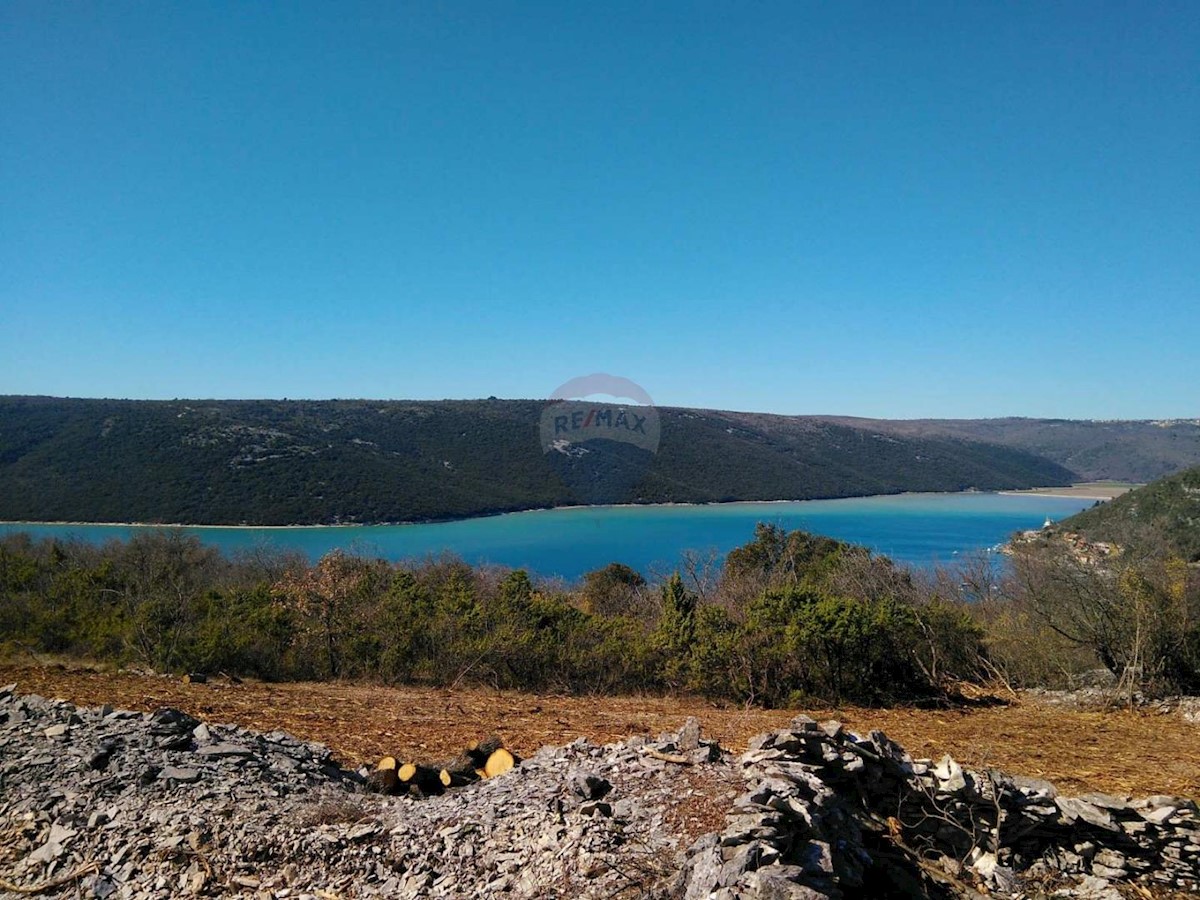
(1119, 752)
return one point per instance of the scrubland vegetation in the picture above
(787, 618)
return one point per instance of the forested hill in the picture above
(1097, 450)
(1163, 515)
(285, 462)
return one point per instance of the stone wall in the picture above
(832, 814)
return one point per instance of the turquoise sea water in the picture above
(919, 529)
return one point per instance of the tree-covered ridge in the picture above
(268, 462)
(1161, 516)
(1120, 450)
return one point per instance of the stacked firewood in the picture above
(482, 759)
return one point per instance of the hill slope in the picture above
(272, 462)
(1138, 451)
(1165, 512)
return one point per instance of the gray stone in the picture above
(57, 730)
(1096, 888)
(181, 775)
(1106, 801)
(224, 751)
(1073, 808)
(833, 729)
(688, 738)
(99, 760)
(1160, 815)
(816, 858)
(779, 883)
(949, 775)
(166, 721)
(590, 787)
(46, 853)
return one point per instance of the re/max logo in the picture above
(600, 417)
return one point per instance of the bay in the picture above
(915, 529)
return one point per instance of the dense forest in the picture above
(267, 462)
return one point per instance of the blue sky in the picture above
(958, 209)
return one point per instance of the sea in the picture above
(921, 530)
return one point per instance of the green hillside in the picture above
(1165, 513)
(271, 462)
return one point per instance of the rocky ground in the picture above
(1107, 748)
(98, 802)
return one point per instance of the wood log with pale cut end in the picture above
(479, 751)
(385, 779)
(420, 781)
(499, 762)
(452, 779)
(460, 771)
(195, 678)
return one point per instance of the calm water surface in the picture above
(919, 529)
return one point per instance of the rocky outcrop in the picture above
(832, 814)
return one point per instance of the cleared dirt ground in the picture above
(1118, 752)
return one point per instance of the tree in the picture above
(1138, 616)
(328, 600)
(677, 627)
(615, 590)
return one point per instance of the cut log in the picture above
(195, 678)
(385, 779)
(499, 762)
(420, 780)
(452, 779)
(464, 762)
(481, 750)
(460, 771)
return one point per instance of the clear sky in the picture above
(892, 209)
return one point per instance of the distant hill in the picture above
(1137, 451)
(1163, 513)
(271, 462)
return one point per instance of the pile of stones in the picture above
(832, 814)
(110, 803)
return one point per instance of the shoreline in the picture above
(1050, 494)
(1086, 490)
(1022, 492)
